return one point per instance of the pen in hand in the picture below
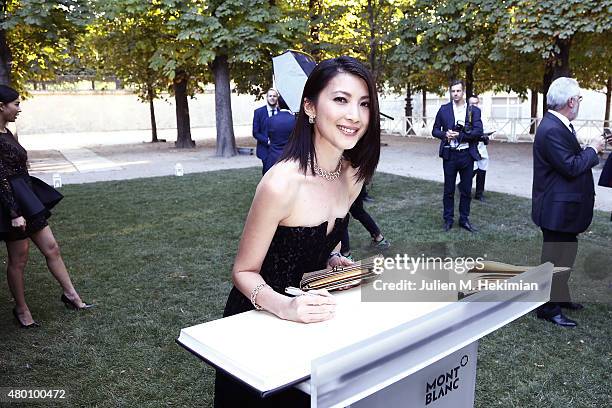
(293, 291)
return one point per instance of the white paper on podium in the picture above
(269, 353)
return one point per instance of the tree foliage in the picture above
(548, 29)
(38, 37)
(410, 45)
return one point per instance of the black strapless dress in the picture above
(293, 251)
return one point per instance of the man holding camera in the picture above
(459, 128)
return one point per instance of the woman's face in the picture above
(10, 110)
(342, 111)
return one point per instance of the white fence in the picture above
(509, 129)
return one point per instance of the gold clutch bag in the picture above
(341, 277)
(492, 272)
(502, 270)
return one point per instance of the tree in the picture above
(458, 37)
(122, 42)
(405, 59)
(591, 60)
(37, 38)
(411, 59)
(224, 35)
(548, 29)
(179, 57)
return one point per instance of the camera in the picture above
(462, 128)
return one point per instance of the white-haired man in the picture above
(563, 191)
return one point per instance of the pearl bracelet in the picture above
(254, 294)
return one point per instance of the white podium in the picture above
(372, 354)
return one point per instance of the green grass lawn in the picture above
(155, 256)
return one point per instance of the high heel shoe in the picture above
(25, 326)
(71, 305)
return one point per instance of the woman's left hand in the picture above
(339, 261)
(19, 222)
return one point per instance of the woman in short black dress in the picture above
(23, 215)
(300, 208)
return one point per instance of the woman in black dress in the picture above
(23, 215)
(300, 208)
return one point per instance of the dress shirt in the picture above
(272, 111)
(459, 113)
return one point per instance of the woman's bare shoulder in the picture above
(282, 182)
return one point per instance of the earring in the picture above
(311, 119)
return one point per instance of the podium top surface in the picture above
(269, 353)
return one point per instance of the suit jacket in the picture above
(605, 180)
(260, 131)
(445, 120)
(563, 191)
(280, 127)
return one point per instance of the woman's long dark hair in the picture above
(365, 154)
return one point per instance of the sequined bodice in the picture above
(13, 162)
(293, 251)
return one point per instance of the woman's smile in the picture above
(349, 131)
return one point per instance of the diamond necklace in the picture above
(328, 175)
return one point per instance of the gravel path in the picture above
(85, 161)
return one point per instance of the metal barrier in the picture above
(508, 129)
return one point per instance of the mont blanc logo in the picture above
(446, 382)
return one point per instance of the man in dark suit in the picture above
(280, 127)
(563, 191)
(260, 120)
(459, 128)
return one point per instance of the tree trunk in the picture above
(150, 97)
(183, 126)
(424, 98)
(469, 80)
(534, 110)
(226, 142)
(408, 111)
(5, 59)
(372, 43)
(557, 66)
(561, 68)
(608, 97)
(547, 80)
(314, 7)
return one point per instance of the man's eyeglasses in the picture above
(578, 97)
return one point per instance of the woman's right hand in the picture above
(316, 306)
(19, 222)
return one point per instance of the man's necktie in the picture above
(573, 130)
